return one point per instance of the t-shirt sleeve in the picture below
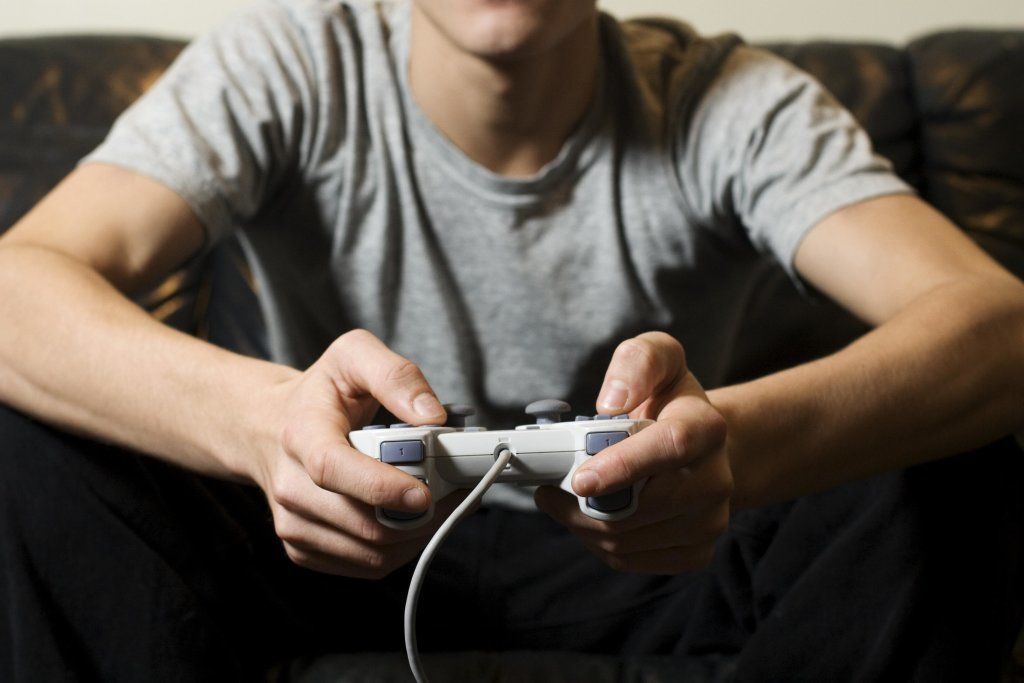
(226, 124)
(769, 149)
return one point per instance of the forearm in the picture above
(76, 353)
(944, 375)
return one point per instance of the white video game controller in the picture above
(455, 456)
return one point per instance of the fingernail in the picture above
(427, 405)
(415, 499)
(614, 395)
(584, 482)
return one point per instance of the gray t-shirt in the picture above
(293, 125)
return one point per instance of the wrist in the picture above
(734, 404)
(253, 428)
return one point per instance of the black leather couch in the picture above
(947, 109)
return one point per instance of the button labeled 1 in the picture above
(401, 452)
(598, 441)
(618, 500)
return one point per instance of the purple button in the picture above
(598, 441)
(401, 452)
(611, 502)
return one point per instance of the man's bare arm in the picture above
(941, 373)
(74, 351)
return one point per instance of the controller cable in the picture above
(502, 457)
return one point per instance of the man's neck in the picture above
(512, 117)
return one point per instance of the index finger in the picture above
(689, 430)
(641, 367)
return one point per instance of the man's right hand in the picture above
(321, 490)
(82, 358)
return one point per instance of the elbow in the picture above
(1000, 347)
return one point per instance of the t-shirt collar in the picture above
(466, 171)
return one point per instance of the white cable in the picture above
(502, 457)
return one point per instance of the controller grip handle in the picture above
(611, 506)
(400, 519)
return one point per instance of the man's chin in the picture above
(507, 30)
(505, 42)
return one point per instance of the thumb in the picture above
(691, 431)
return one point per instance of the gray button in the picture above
(400, 425)
(582, 418)
(401, 452)
(602, 416)
(369, 427)
(611, 502)
(624, 416)
(458, 413)
(548, 411)
(598, 441)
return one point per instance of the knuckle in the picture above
(286, 529)
(616, 562)
(724, 486)
(636, 351)
(297, 556)
(613, 545)
(320, 467)
(370, 530)
(378, 573)
(612, 528)
(668, 346)
(354, 336)
(624, 466)
(675, 438)
(284, 494)
(291, 438)
(375, 492)
(375, 561)
(716, 427)
(401, 371)
(665, 339)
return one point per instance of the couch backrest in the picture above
(58, 98)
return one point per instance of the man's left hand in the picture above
(684, 506)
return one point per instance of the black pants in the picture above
(114, 566)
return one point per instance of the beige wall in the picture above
(892, 20)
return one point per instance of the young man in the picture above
(485, 202)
